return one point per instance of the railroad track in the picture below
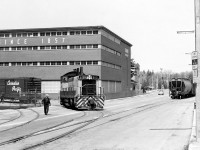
(35, 118)
(15, 118)
(82, 125)
(46, 130)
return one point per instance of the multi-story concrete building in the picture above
(48, 53)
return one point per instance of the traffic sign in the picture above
(194, 55)
(195, 73)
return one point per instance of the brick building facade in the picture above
(48, 53)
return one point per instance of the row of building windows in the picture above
(60, 63)
(112, 38)
(89, 46)
(63, 33)
(19, 48)
(35, 34)
(111, 50)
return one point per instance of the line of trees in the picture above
(150, 79)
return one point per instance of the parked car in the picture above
(160, 92)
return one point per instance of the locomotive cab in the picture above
(88, 87)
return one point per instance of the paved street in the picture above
(143, 122)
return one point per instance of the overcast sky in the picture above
(149, 25)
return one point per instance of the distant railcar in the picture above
(181, 88)
(81, 91)
(22, 89)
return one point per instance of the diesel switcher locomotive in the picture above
(81, 91)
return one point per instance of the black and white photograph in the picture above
(99, 75)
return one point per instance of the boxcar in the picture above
(22, 89)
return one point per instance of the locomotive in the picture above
(81, 91)
(181, 88)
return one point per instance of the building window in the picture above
(35, 34)
(19, 63)
(53, 47)
(64, 47)
(83, 46)
(95, 32)
(13, 64)
(78, 32)
(34, 63)
(58, 47)
(30, 48)
(89, 46)
(78, 46)
(83, 32)
(77, 63)
(19, 48)
(53, 33)
(24, 34)
(48, 34)
(59, 33)
(71, 46)
(71, 63)
(95, 46)
(42, 47)
(47, 63)
(89, 32)
(7, 35)
(35, 47)
(19, 35)
(71, 32)
(42, 34)
(64, 63)
(58, 63)
(95, 62)
(53, 63)
(30, 34)
(6, 48)
(30, 64)
(83, 62)
(1, 35)
(64, 33)
(14, 35)
(41, 63)
(48, 47)
(13, 48)
(24, 48)
(89, 62)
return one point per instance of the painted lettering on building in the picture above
(29, 41)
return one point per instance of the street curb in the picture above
(193, 140)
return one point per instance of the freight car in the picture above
(22, 89)
(80, 91)
(181, 88)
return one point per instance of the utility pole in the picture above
(161, 78)
(197, 48)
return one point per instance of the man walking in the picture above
(46, 102)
